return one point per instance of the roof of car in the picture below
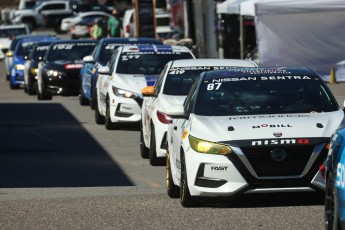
(76, 41)
(131, 40)
(154, 48)
(213, 62)
(260, 71)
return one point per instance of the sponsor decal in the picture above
(340, 178)
(268, 116)
(272, 126)
(219, 168)
(278, 142)
(261, 78)
(151, 80)
(277, 134)
(289, 141)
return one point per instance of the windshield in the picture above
(40, 51)
(179, 80)
(217, 97)
(70, 51)
(25, 48)
(106, 52)
(11, 32)
(147, 63)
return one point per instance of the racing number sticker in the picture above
(129, 57)
(213, 86)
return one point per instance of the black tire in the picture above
(8, 77)
(12, 86)
(331, 212)
(172, 190)
(93, 96)
(144, 151)
(25, 89)
(107, 122)
(57, 27)
(30, 22)
(154, 160)
(185, 198)
(82, 100)
(99, 119)
(30, 88)
(44, 96)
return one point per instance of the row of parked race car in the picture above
(222, 127)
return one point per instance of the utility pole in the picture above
(205, 28)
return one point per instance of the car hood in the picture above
(166, 101)
(134, 83)
(18, 60)
(225, 128)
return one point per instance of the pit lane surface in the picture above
(59, 170)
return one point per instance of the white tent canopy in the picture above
(301, 33)
(229, 7)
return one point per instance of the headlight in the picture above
(203, 146)
(53, 73)
(33, 71)
(123, 93)
(19, 67)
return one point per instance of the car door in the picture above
(180, 129)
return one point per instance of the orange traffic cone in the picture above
(332, 76)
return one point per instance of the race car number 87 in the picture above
(213, 86)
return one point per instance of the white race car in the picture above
(130, 69)
(170, 89)
(250, 130)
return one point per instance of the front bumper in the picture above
(241, 172)
(125, 109)
(17, 77)
(64, 85)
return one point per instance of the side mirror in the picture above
(88, 59)
(149, 91)
(104, 70)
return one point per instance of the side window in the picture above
(159, 82)
(189, 102)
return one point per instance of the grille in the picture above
(265, 166)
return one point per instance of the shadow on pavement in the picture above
(43, 145)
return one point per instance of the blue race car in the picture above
(22, 51)
(100, 57)
(335, 181)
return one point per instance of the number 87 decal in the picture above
(213, 86)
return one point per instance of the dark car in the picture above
(31, 66)
(100, 57)
(58, 72)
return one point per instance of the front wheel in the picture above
(331, 212)
(30, 88)
(99, 119)
(185, 198)
(108, 123)
(154, 160)
(82, 100)
(144, 151)
(93, 96)
(172, 190)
